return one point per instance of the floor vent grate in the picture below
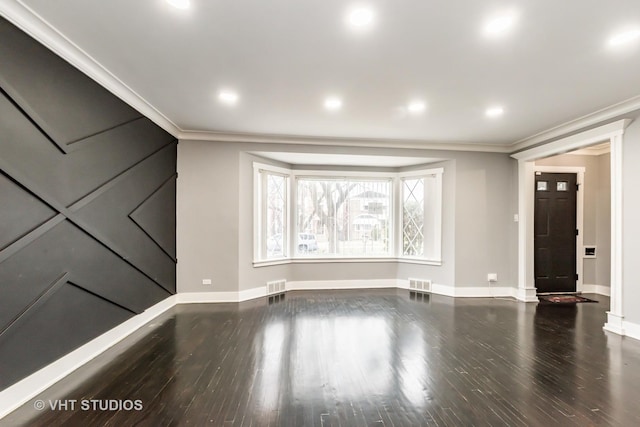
(419, 285)
(276, 287)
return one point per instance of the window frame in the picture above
(395, 215)
(432, 210)
(260, 206)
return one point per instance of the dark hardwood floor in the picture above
(360, 358)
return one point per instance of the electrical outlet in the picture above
(206, 281)
(492, 277)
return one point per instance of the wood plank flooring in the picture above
(360, 358)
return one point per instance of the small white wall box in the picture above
(590, 251)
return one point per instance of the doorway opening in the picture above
(556, 231)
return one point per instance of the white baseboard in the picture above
(485, 292)
(217, 297)
(206, 297)
(619, 326)
(473, 292)
(316, 285)
(597, 289)
(631, 330)
(340, 284)
(526, 294)
(252, 293)
(466, 292)
(615, 324)
(21, 392)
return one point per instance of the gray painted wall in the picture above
(631, 225)
(87, 237)
(207, 216)
(215, 220)
(603, 222)
(485, 229)
(597, 212)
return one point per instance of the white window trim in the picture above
(258, 220)
(395, 215)
(365, 176)
(437, 217)
(421, 172)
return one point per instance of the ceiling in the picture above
(284, 57)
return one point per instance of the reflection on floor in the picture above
(361, 358)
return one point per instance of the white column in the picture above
(615, 315)
(526, 281)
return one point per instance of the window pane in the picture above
(413, 217)
(340, 217)
(276, 205)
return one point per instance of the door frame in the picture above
(611, 132)
(579, 171)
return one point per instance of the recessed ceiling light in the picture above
(500, 24)
(180, 4)
(228, 97)
(494, 112)
(361, 17)
(416, 107)
(624, 38)
(333, 103)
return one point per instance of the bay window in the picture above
(327, 215)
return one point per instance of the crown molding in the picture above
(570, 143)
(33, 24)
(342, 142)
(579, 124)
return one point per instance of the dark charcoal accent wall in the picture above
(87, 208)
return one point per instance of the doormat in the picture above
(564, 299)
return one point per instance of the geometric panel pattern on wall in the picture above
(87, 212)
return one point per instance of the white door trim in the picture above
(579, 171)
(615, 315)
(611, 132)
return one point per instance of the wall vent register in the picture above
(419, 285)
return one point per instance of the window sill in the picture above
(420, 261)
(270, 262)
(317, 260)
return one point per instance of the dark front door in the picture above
(555, 232)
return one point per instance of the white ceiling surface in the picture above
(320, 159)
(284, 56)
